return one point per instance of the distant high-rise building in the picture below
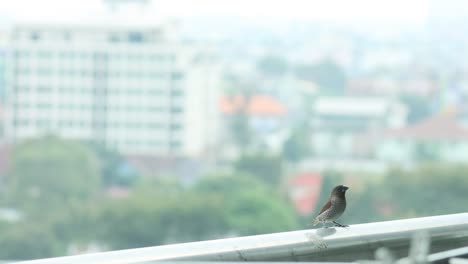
(3, 82)
(3, 56)
(2, 74)
(134, 88)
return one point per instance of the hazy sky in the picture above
(398, 11)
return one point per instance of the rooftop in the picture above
(304, 190)
(262, 105)
(441, 126)
(356, 106)
(126, 13)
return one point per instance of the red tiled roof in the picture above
(258, 105)
(305, 191)
(441, 126)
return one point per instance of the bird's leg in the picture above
(339, 225)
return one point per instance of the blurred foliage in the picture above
(68, 207)
(217, 206)
(430, 189)
(115, 170)
(297, 146)
(28, 241)
(272, 65)
(50, 173)
(148, 219)
(328, 75)
(265, 167)
(240, 130)
(250, 205)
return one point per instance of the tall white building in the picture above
(136, 89)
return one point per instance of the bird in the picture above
(333, 208)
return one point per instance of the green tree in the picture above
(240, 130)
(114, 169)
(296, 147)
(428, 189)
(149, 219)
(272, 65)
(77, 223)
(328, 75)
(249, 204)
(25, 241)
(267, 168)
(253, 213)
(48, 173)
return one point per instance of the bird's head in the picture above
(340, 189)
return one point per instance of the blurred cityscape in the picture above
(128, 130)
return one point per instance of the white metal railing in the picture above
(354, 243)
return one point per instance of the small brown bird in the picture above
(334, 207)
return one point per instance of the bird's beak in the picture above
(346, 187)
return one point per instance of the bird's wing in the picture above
(325, 207)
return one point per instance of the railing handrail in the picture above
(331, 244)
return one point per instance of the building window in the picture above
(23, 70)
(85, 55)
(44, 71)
(177, 75)
(155, 125)
(176, 110)
(156, 109)
(172, 57)
(23, 105)
(131, 91)
(22, 54)
(22, 88)
(156, 75)
(175, 144)
(44, 89)
(35, 36)
(44, 106)
(44, 54)
(116, 56)
(155, 143)
(155, 92)
(135, 37)
(21, 122)
(43, 123)
(177, 92)
(134, 125)
(66, 35)
(176, 127)
(114, 38)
